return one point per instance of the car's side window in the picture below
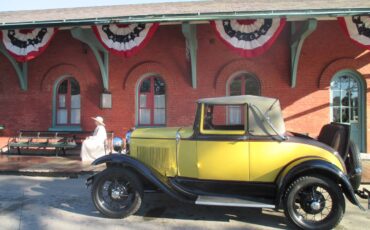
(214, 117)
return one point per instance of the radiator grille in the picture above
(157, 157)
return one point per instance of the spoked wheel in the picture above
(314, 203)
(117, 193)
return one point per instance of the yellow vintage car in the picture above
(238, 154)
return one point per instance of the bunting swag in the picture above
(125, 39)
(26, 44)
(357, 28)
(249, 38)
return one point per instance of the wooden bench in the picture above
(59, 141)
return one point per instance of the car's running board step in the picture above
(233, 202)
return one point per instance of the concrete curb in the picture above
(47, 173)
(365, 156)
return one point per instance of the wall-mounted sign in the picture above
(106, 101)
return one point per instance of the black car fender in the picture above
(120, 160)
(314, 167)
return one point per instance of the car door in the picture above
(222, 148)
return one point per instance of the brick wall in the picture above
(306, 109)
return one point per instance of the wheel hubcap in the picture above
(115, 194)
(118, 192)
(312, 204)
(315, 206)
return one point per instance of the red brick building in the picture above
(327, 55)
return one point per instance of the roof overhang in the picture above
(183, 11)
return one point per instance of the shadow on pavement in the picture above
(162, 206)
(70, 197)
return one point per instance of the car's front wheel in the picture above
(117, 192)
(314, 202)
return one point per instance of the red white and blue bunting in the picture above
(125, 39)
(357, 28)
(249, 38)
(26, 44)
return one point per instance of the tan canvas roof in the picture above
(185, 9)
(264, 116)
(237, 100)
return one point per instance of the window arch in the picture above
(244, 84)
(241, 84)
(151, 95)
(67, 103)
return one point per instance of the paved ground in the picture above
(34, 203)
(44, 165)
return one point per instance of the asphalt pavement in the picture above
(33, 203)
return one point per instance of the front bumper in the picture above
(364, 194)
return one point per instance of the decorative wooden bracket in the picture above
(297, 40)
(20, 68)
(190, 33)
(101, 54)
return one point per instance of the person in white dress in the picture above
(93, 147)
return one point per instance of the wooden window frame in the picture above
(68, 106)
(244, 76)
(150, 102)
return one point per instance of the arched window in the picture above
(244, 84)
(241, 84)
(347, 104)
(152, 101)
(68, 102)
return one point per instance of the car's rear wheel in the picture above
(117, 192)
(314, 202)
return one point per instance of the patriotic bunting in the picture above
(26, 44)
(249, 38)
(357, 28)
(125, 39)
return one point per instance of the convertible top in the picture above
(238, 100)
(265, 116)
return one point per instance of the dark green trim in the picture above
(101, 54)
(21, 69)
(190, 17)
(54, 126)
(296, 44)
(65, 128)
(190, 34)
(362, 102)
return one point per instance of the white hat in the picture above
(99, 119)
